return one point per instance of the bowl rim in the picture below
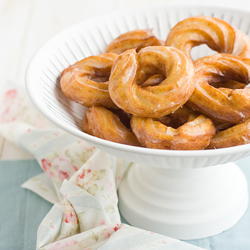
(117, 146)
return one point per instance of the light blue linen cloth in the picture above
(21, 212)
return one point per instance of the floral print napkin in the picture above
(82, 182)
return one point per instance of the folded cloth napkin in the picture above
(82, 182)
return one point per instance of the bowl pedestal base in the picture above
(184, 203)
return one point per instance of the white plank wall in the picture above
(14, 18)
(26, 24)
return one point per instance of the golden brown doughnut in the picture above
(220, 126)
(153, 80)
(135, 39)
(216, 33)
(230, 105)
(131, 70)
(86, 82)
(101, 122)
(179, 117)
(234, 136)
(230, 84)
(193, 135)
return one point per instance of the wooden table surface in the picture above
(26, 24)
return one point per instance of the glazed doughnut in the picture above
(234, 136)
(195, 134)
(216, 33)
(230, 84)
(220, 126)
(131, 70)
(179, 117)
(153, 80)
(135, 39)
(101, 122)
(223, 104)
(86, 82)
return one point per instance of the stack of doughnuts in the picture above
(149, 93)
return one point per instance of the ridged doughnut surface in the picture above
(131, 70)
(101, 122)
(224, 104)
(193, 135)
(234, 136)
(216, 33)
(86, 82)
(135, 39)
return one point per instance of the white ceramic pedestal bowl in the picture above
(182, 194)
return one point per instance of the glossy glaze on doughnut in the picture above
(193, 135)
(234, 136)
(136, 39)
(86, 82)
(224, 104)
(132, 69)
(101, 122)
(216, 33)
(179, 117)
(230, 84)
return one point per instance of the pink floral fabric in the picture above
(83, 178)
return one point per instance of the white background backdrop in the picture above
(26, 24)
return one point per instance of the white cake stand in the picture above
(184, 204)
(182, 194)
